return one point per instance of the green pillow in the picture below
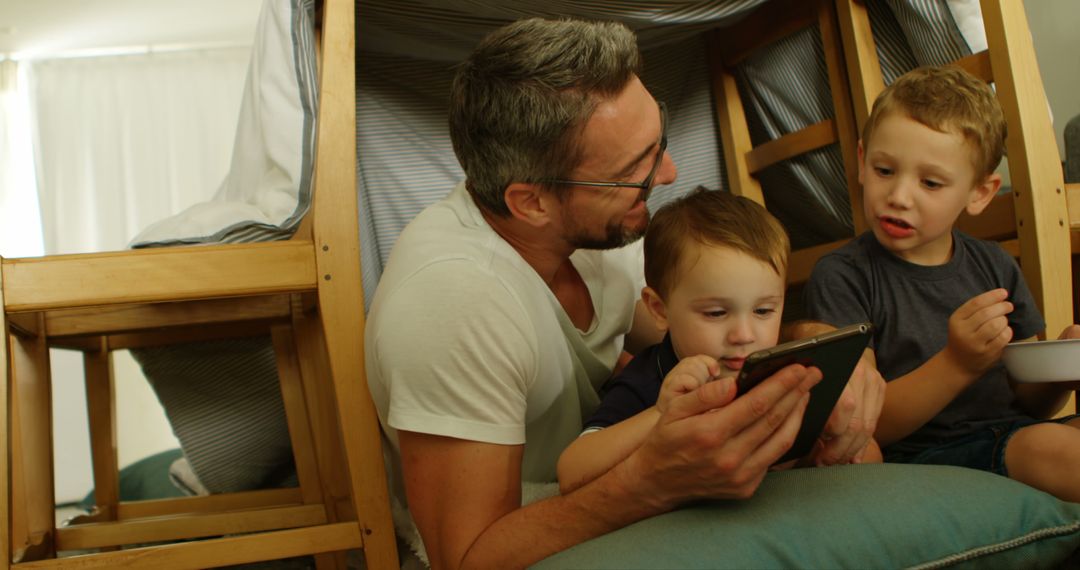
(147, 478)
(854, 516)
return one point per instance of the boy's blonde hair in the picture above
(947, 98)
(714, 218)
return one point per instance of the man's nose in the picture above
(668, 171)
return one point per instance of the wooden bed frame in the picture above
(306, 292)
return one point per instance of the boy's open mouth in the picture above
(895, 227)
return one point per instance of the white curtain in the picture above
(124, 141)
(20, 220)
(121, 142)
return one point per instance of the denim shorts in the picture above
(983, 449)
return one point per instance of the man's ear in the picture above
(529, 203)
(983, 193)
(861, 155)
(655, 305)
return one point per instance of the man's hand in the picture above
(854, 419)
(709, 444)
(688, 375)
(979, 331)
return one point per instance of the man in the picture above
(505, 306)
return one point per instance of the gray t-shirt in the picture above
(910, 306)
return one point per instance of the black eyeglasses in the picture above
(646, 184)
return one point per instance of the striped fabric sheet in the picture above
(222, 398)
(406, 161)
(255, 202)
(407, 49)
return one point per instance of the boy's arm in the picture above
(594, 453)
(978, 333)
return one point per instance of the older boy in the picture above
(944, 304)
(715, 267)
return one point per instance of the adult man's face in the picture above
(621, 142)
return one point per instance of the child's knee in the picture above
(1043, 444)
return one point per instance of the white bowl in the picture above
(1044, 361)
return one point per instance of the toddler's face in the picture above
(726, 304)
(916, 182)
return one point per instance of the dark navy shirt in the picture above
(910, 306)
(636, 388)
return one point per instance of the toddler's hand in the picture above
(979, 330)
(689, 374)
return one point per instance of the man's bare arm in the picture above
(465, 496)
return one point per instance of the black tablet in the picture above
(835, 353)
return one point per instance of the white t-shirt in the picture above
(464, 339)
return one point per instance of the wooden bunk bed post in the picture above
(1035, 168)
(860, 52)
(337, 257)
(5, 457)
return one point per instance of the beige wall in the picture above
(1055, 30)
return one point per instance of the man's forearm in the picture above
(538, 530)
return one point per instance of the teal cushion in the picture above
(855, 516)
(147, 478)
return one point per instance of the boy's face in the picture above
(916, 182)
(724, 304)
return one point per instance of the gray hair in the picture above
(519, 102)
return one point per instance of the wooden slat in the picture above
(299, 414)
(296, 414)
(847, 134)
(731, 122)
(128, 318)
(996, 222)
(1012, 246)
(1072, 194)
(6, 552)
(32, 484)
(161, 274)
(101, 413)
(1034, 163)
(864, 71)
(801, 262)
(337, 256)
(977, 64)
(189, 334)
(325, 427)
(791, 145)
(218, 552)
(26, 324)
(94, 535)
(208, 504)
(770, 23)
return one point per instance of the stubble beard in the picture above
(615, 235)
